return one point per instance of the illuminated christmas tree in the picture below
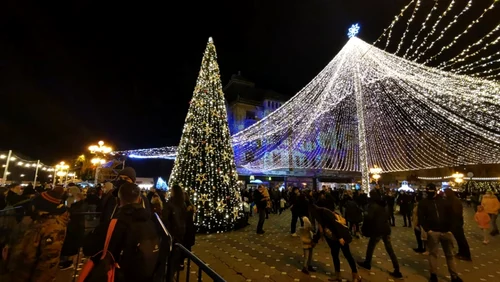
(205, 159)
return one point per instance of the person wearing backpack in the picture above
(134, 242)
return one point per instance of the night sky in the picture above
(75, 72)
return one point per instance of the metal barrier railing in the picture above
(202, 266)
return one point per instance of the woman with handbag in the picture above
(336, 233)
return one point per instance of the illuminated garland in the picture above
(483, 62)
(15, 160)
(167, 153)
(393, 23)
(462, 56)
(415, 10)
(418, 54)
(412, 116)
(448, 46)
(424, 25)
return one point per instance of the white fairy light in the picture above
(463, 55)
(418, 54)
(167, 153)
(424, 26)
(393, 23)
(413, 118)
(474, 22)
(415, 10)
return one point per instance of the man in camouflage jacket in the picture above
(35, 250)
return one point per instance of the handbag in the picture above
(104, 268)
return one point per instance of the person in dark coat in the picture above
(405, 208)
(353, 214)
(75, 232)
(299, 208)
(334, 229)
(189, 236)
(391, 201)
(376, 226)
(457, 228)
(126, 175)
(174, 218)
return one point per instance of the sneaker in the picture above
(311, 269)
(456, 279)
(420, 251)
(337, 278)
(486, 242)
(295, 235)
(426, 253)
(433, 278)
(364, 265)
(261, 232)
(356, 277)
(461, 257)
(65, 265)
(396, 274)
(305, 271)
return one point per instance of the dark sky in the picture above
(75, 72)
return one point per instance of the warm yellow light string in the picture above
(448, 46)
(467, 7)
(424, 25)
(486, 72)
(476, 64)
(396, 19)
(433, 30)
(460, 57)
(410, 20)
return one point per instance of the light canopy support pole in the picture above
(363, 151)
(36, 173)
(6, 170)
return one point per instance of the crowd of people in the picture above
(339, 216)
(42, 230)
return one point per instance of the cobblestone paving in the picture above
(243, 255)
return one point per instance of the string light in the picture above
(205, 158)
(484, 61)
(167, 153)
(20, 162)
(396, 19)
(415, 10)
(460, 57)
(412, 117)
(454, 41)
(419, 53)
(424, 25)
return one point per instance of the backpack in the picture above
(101, 266)
(141, 250)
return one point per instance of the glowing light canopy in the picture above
(353, 30)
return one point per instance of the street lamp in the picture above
(60, 170)
(100, 152)
(375, 172)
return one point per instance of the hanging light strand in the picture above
(424, 26)
(410, 20)
(393, 23)
(456, 38)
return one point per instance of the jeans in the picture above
(335, 248)
(388, 248)
(295, 216)
(262, 218)
(308, 254)
(392, 219)
(493, 218)
(463, 245)
(407, 216)
(446, 240)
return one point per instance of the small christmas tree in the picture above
(205, 159)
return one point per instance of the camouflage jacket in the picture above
(35, 248)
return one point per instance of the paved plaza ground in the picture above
(276, 256)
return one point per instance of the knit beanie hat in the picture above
(129, 172)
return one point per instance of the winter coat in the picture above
(353, 213)
(189, 237)
(491, 204)
(376, 221)
(34, 256)
(435, 215)
(76, 229)
(174, 218)
(131, 215)
(306, 234)
(483, 219)
(330, 220)
(110, 205)
(457, 220)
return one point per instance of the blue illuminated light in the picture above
(353, 30)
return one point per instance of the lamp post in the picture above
(60, 171)
(375, 172)
(6, 170)
(100, 151)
